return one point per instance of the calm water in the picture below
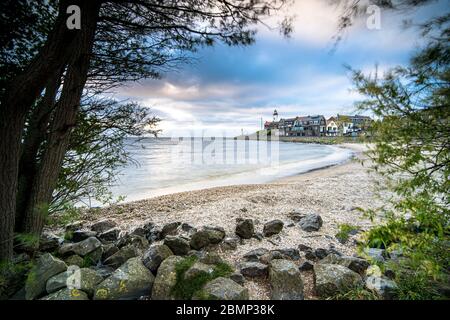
(166, 165)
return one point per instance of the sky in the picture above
(226, 90)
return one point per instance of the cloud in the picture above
(227, 89)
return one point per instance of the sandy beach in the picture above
(334, 193)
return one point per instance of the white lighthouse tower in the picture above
(275, 115)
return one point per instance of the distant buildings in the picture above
(318, 126)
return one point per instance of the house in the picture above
(309, 126)
(332, 127)
(353, 125)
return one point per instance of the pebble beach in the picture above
(335, 193)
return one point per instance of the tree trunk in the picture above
(62, 124)
(33, 140)
(18, 99)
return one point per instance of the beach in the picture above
(335, 193)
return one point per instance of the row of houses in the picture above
(319, 126)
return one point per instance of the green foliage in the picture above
(358, 293)
(184, 289)
(411, 150)
(344, 231)
(26, 240)
(13, 277)
(68, 214)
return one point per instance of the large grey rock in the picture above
(166, 279)
(170, 229)
(382, 286)
(223, 289)
(49, 243)
(137, 241)
(245, 228)
(74, 260)
(58, 281)
(46, 267)
(331, 279)
(238, 278)
(311, 222)
(178, 245)
(197, 269)
(285, 280)
(84, 279)
(355, 264)
(253, 269)
(73, 226)
(255, 254)
(131, 281)
(290, 253)
(108, 250)
(67, 294)
(110, 235)
(121, 256)
(208, 235)
(82, 248)
(230, 243)
(103, 225)
(155, 255)
(272, 227)
(80, 235)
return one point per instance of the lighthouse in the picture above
(275, 115)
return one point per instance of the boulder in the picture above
(230, 243)
(186, 227)
(209, 257)
(130, 281)
(121, 256)
(74, 260)
(245, 228)
(271, 255)
(272, 227)
(255, 254)
(155, 255)
(67, 294)
(170, 229)
(253, 269)
(49, 243)
(137, 241)
(331, 279)
(110, 235)
(215, 234)
(197, 269)
(311, 222)
(238, 278)
(355, 264)
(58, 281)
(103, 225)
(84, 279)
(290, 253)
(165, 279)
(285, 280)
(223, 289)
(108, 250)
(80, 235)
(178, 245)
(199, 240)
(306, 266)
(46, 267)
(310, 255)
(321, 253)
(382, 286)
(81, 248)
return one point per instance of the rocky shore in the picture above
(272, 241)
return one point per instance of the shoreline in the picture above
(334, 193)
